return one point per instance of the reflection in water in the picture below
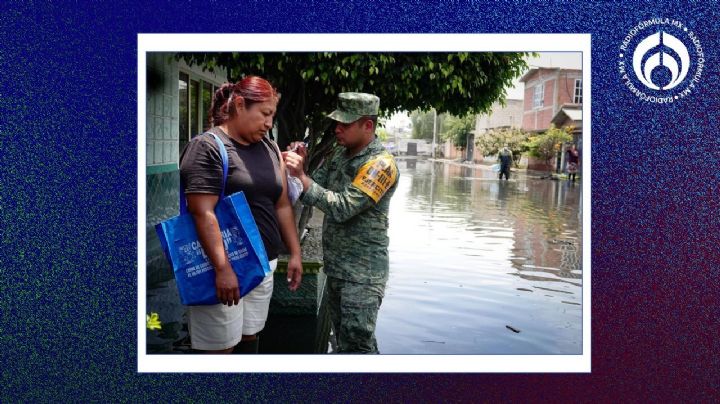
(470, 255)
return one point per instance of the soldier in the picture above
(353, 188)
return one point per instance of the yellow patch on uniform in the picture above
(376, 176)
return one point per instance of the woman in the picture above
(573, 159)
(241, 114)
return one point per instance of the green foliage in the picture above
(382, 134)
(422, 122)
(457, 129)
(490, 143)
(457, 83)
(546, 145)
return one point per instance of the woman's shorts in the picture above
(220, 327)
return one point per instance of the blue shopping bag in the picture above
(194, 274)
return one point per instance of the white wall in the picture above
(499, 116)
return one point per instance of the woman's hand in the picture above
(202, 208)
(226, 286)
(294, 272)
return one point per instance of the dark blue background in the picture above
(68, 135)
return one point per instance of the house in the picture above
(508, 116)
(178, 98)
(499, 117)
(569, 116)
(413, 147)
(552, 95)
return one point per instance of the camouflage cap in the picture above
(353, 106)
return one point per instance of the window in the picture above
(578, 92)
(207, 94)
(184, 118)
(195, 98)
(538, 97)
(194, 108)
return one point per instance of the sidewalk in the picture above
(534, 174)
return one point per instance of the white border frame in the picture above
(362, 43)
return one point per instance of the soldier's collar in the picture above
(372, 146)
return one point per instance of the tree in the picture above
(545, 146)
(490, 143)
(423, 122)
(457, 129)
(382, 134)
(458, 83)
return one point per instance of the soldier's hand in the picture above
(294, 163)
(294, 274)
(298, 147)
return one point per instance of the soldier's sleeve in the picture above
(371, 183)
(320, 173)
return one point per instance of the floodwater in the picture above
(480, 266)
(470, 256)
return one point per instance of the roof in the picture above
(525, 77)
(568, 113)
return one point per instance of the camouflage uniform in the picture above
(354, 193)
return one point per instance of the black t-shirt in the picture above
(253, 169)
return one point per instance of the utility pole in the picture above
(434, 131)
(397, 143)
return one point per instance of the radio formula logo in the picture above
(661, 60)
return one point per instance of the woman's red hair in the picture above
(252, 89)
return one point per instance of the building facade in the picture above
(553, 96)
(499, 117)
(178, 98)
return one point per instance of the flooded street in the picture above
(479, 266)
